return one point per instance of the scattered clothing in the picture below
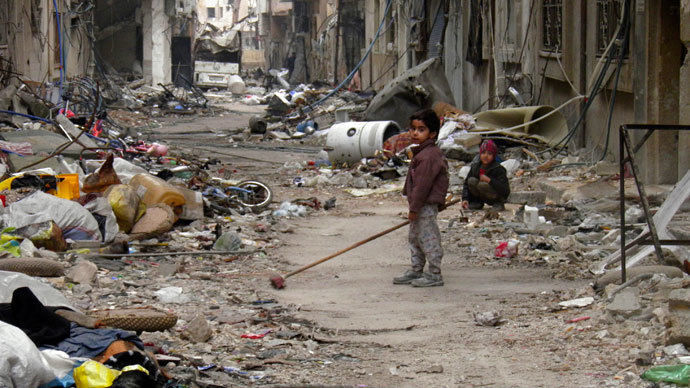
(89, 343)
(40, 324)
(131, 357)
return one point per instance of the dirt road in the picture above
(410, 337)
(419, 332)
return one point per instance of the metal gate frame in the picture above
(625, 145)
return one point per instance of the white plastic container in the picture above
(350, 142)
(531, 217)
(236, 84)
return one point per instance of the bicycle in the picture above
(250, 195)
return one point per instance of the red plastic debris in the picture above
(578, 319)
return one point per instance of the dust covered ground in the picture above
(344, 323)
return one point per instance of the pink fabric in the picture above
(489, 146)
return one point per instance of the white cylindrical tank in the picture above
(236, 84)
(349, 142)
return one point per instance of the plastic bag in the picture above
(126, 204)
(678, 374)
(102, 207)
(75, 222)
(506, 249)
(21, 363)
(93, 374)
(9, 243)
(44, 235)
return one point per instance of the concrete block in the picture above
(458, 152)
(167, 269)
(626, 303)
(527, 197)
(468, 140)
(82, 273)
(198, 329)
(679, 299)
(43, 143)
(564, 189)
(606, 169)
(558, 231)
(555, 189)
(158, 219)
(679, 328)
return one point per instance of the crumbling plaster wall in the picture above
(649, 90)
(475, 90)
(32, 42)
(389, 57)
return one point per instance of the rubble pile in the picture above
(143, 237)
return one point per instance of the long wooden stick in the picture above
(355, 245)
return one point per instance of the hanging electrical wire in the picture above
(621, 54)
(597, 86)
(361, 61)
(59, 35)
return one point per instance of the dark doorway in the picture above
(181, 47)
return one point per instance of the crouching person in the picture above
(487, 181)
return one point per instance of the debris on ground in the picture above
(141, 236)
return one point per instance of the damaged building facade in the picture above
(310, 38)
(608, 62)
(53, 40)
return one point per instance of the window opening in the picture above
(552, 17)
(609, 15)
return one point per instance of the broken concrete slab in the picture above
(6, 96)
(458, 152)
(679, 317)
(564, 189)
(198, 329)
(527, 197)
(159, 218)
(167, 269)
(606, 168)
(626, 303)
(414, 89)
(73, 131)
(82, 273)
(467, 140)
(661, 219)
(43, 143)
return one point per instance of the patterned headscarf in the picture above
(489, 146)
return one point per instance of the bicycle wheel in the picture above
(258, 197)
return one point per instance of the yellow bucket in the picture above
(67, 185)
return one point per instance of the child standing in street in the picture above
(425, 187)
(487, 181)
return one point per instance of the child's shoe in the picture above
(428, 280)
(408, 277)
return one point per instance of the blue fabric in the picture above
(67, 381)
(89, 343)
